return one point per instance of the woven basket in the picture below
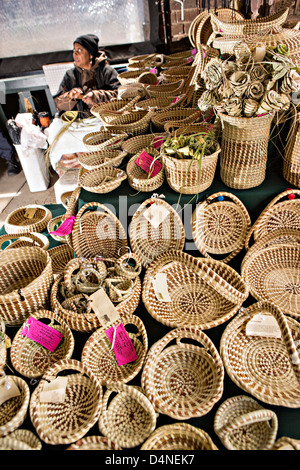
(97, 353)
(140, 142)
(101, 180)
(175, 56)
(72, 203)
(64, 423)
(31, 359)
(124, 119)
(265, 367)
(94, 443)
(127, 418)
(14, 410)
(166, 90)
(241, 423)
(20, 439)
(183, 175)
(128, 266)
(286, 443)
(98, 233)
(179, 436)
(244, 147)
(160, 103)
(53, 225)
(114, 106)
(291, 161)
(148, 242)
(183, 115)
(18, 221)
(128, 77)
(203, 292)
(137, 127)
(26, 277)
(17, 240)
(139, 179)
(103, 140)
(102, 158)
(220, 225)
(183, 380)
(60, 256)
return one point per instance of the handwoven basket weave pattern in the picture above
(94, 443)
(14, 411)
(101, 180)
(20, 439)
(18, 240)
(139, 179)
(18, 221)
(101, 158)
(102, 140)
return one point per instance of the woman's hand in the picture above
(89, 98)
(75, 93)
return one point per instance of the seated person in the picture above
(8, 153)
(91, 81)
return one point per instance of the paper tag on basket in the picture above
(121, 344)
(8, 389)
(160, 287)
(158, 141)
(263, 325)
(54, 391)
(156, 214)
(148, 164)
(30, 211)
(42, 334)
(175, 100)
(65, 228)
(103, 307)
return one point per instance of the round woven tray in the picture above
(26, 277)
(16, 240)
(148, 242)
(127, 416)
(14, 410)
(31, 359)
(101, 180)
(60, 256)
(140, 142)
(183, 380)
(98, 355)
(102, 140)
(66, 422)
(139, 179)
(20, 439)
(94, 443)
(203, 292)
(265, 367)
(220, 225)
(102, 158)
(241, 423)
(20, 221)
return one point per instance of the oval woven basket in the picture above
(160, 103)
(94, 443)
(184, 115)
(101, 180)
(179, 436)
(140, 142)
(116, 106)
(124, 119)
(98, 355)
(70, 420)
(60, 256)
(72, 203)
(241, 423)
(127, 416)
(20, 439)
(17, 240)
(265, 367)
(220, 225)
(102, 158)
(14, 410)
(148, 242)
(164, 90)
(53, 225)
(287, 443)
(131, 76)
(30, 218)
(139, 179)
(26, 277)
(102, 140)
(183, 380)
(31, 359)
(137, 127)
(98, 232)
(202, 292)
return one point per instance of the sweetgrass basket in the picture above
(116, 106)
(202, 292)
(127, 416)
(70, 420)
(102, 158)
(140, 142)
(30, 218)
(98, 355)
(266, 367)
(183, 115)
(291, 160)
(128, 77)
(241, 423)
(101, 180)
(60, 255)
(103, 140)
(17, 240)
(136, 127)
(26, 277)
(53, 225)
(20, 439)
(179, 436)
(139, 179)
(220, 225)
(72, 203)
(160, 103)
(286, 443)
(183, 380)
(31, 359)
(14, 410)
(94, 443)
(164, 90)
(124, 119)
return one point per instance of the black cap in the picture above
(90, 43)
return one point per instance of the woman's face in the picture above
(81, 56)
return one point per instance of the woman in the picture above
(91, 81)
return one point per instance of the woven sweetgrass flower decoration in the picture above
(213, 74)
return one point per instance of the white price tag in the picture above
(104, 308)
(54, 391)
(263, 325)
(30, 211)
(160, 287)
(8, 389)
(156, 214)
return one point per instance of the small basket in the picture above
(101, 180)
(98, 355)
(114, 106)
(20, 439)
(17, 240)
(103, 140)
(128, 77)
(72, 203)
(94, 443)
(124, 119)
(286, 443)
(220, 225)
(183, 115)
(135, 128)
(102, 158)
(241, 423)
(53, 225)
(14, 410)
(128, 418)
(183, 380)
(202, 292)
(160, 103)
(23, 220)
(147, 241)
(179, 436)
(31, 359)
(140, 142)
(65, 422)
(172, 89)
(139, 179)
(60, 256)
(26, 277)
(266, 367)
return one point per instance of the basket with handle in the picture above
(140, 179)
(67, 421)
(286, 443)
(267, 366)
(60, 255)
(103, 140)
(30, 218)
(160, 103)
(17, 240)
(94, 443)
(182, 115)
(20, 439)
(166, 89)
(128, 77)
(102, 158)
(13, 411)
(241, 423)
(31, 359)
(53, 225)
(101, 180)
(200, 292)
(116, 107)
(136, 127)
(183, 380)
(140, 142)
(179, 436)
(124, 119)
(127, 416)
(72, 203)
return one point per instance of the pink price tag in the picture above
(42, 334)
(65, 228)
(175, 100)
(147, 163)
(158, 141)
(194, 51)
(152, 70)
(122, 345)
(189, 59)
(204, 54)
